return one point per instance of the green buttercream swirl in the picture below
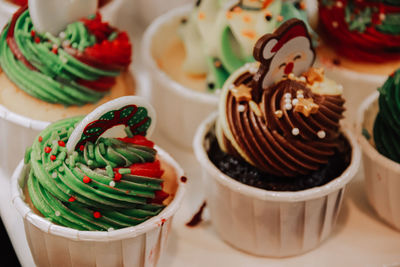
(387, 123)
(52, 182)
(55, 80)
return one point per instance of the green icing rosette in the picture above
(219, 37)
(75, 68)
(109, 184)
(386, 129)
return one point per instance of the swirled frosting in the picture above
(109, 184)
(386, 129)
(75, 68)
(219, 38)
(362, 30)
(290, 130)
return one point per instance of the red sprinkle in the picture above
(82, 147)
(33, 33)
(71, 199)
(117, 176)
(86, 179)
(53, 157)
(37, 40)
(61, 143)
(47, 149)
(40, 139)
(96, 214)
(54, 50)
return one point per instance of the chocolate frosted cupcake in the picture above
(378, 129)
(278, 135)
(83, 177)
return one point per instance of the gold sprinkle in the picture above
(255, 108)
(241, 93)
(306, 106)
(279, 113)
(314, 75)
(249, 34)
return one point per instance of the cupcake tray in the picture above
(359, 239)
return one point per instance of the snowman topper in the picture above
(118, 118)
(288, 50)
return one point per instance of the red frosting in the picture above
(370, 45)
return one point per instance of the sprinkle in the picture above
(279, 114)
(71, 199)
(117, 176)
(57, 213)
(247, 19)
(300, 96)
(229, 15)
(53, 157)
(33, 33)
(249, 34)
(382, 16)
(54, 175)
(321, 134)
(217, 63)
(302, 5)
(62, 35)
(37, 40)
(295, 101)
(40, 139)
(291, 76)
(241, 93)
(303, 79)
(47, 149)
(255, 108)
(287, 95)
(279, 18)
(202, 15)
(124, 171)
(231, 86)
(82, 147)
(241, 108)
(288, 106)
(295, 131)
(335, 24)
(288, 100)
(61, 143)
(96, 214)
(86, 179)
(112, 183)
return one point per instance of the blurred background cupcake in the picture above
(57, 66)
(360, 45)
(275, 158)
(87, 187)
(379, 131)
(190, 52)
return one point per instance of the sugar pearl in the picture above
(279, 113)
(321, 134)
(295, 131)
(335, 24)
(295, 101)
(57, 213)
(288, 95)
(112, 183)
(54, 175)
(241, 108)
(288, 106)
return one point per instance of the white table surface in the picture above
(359, 239)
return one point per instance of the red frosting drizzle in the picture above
(370, 45)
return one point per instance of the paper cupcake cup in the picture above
(18, 132)
(382, 175)
(180, 109)
(7, 9)
(271, 223)
(148, 10)
(54, 245)
(357, 87)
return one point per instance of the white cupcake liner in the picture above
(148, 10)
(54, 245)
(382, 175)
(271, 223)
(18, 132)
(357, 87)
(180, 110)
(7, 9)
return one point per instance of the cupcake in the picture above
(378, 129)
(360, 45)
(52, 68)
(95, 184)
(190, 52)
(275, 158)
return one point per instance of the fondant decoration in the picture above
(288, 50)
(53, 16)
(134, 113)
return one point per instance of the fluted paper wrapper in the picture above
(180, 110)
(54, 245)
(382, 175)
(271, 223)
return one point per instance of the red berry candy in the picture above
(117, 176)
(71, 199)
(40, 139)
(47, 149)
(86, 179)
(61, 143)
(53, 157)
(96, 214)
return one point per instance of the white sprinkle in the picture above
(295, 101)
(57, 213)
(303, 79)
(291, 76)
(288, 95)
(66, 43)
(295, 131)
(335, 24)
(382, 16)
(55, 46)
(241, 108)
(321, 134)
(288, 101)
(300, 96)
(54, 175)
(288, 106)
(62, 35)
(112, 183)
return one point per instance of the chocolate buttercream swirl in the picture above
(291, 131)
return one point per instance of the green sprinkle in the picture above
(109, 171)
(124, 171)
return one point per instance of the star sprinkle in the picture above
(306, 106)
(314, 75)
(241, 93)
